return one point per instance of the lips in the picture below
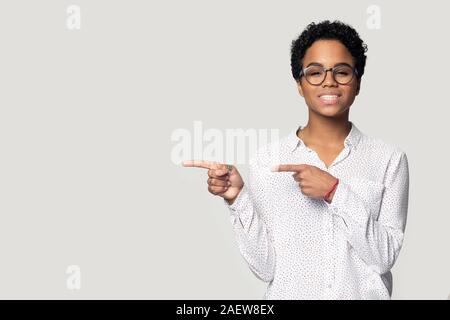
(329, 98)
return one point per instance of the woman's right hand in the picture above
(223, 180)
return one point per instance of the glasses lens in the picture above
(343, 74)
(314, 75)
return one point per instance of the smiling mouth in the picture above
(329, 98)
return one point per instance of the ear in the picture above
(358, 86)
(299, 87)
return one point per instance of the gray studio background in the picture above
(86, 118)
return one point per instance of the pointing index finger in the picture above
(289, 167)
(201, 164)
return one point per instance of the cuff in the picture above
(241, 200)
(348, 204)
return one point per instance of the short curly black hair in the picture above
(327, 30)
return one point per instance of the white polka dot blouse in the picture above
(306, 248)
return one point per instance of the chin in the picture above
(330, 111)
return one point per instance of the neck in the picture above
(325, 131)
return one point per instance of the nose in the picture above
(329, 79)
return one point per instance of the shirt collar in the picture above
(351, 140)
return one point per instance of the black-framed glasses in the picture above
(316, 74)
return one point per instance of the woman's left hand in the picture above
(313, 182)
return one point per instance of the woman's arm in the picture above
(377, 237)
(252, 235)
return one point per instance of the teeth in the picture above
(329, 97)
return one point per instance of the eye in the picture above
(315, 72)
(343, 71)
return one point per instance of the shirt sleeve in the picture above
(253, 237)
(377, 237)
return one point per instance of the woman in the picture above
(328, 222)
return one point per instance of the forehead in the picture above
(327, 53)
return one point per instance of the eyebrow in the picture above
(336, 65)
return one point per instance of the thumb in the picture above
(225, 169)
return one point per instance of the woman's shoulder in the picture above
(269, 153)
(379, 145)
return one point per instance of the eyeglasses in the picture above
(315, 75)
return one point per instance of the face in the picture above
(329, 99)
